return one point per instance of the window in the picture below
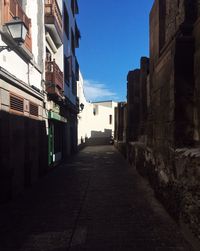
(77, 70)
(72, 42)
(66, 21)
(74, 89)
(110, 119)
(67, 69)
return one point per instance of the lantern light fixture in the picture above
(17, 30)
(81, 107)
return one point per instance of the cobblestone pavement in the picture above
(94, 202)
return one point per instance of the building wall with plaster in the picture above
(96, 120)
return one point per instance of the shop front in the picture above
(57, 125)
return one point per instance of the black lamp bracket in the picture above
(5, 48)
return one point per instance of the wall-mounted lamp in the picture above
(81, 107)
(17, 30)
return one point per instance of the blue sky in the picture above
(114, 35)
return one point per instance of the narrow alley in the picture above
(94, 202)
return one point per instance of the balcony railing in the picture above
(12, 8)
(53, 18)
(54, 78)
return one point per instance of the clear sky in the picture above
(114, 35)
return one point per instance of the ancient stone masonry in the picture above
(133, 87)
(120, 122)
(143, 96)
(196, 34)
(163, 110)
(120, 129)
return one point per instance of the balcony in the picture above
(12, 8)
(53, 21)
(54, 79)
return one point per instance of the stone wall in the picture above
(144, 71)
(120, 122)
(196, 33)
(171, 75)
(163, 110)
(133, 111)
(120, 130)
(176, 183)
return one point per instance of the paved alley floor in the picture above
(95, 202)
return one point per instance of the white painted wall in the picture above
(101, 119)
(31, 12)
(59, 58)
(14, 64)
(35, 77)
(90, 125)
(84, 130)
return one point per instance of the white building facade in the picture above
(84, 117)
(38, 90)
(96, 121)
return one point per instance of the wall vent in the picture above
(16, 103)
(33, 109)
